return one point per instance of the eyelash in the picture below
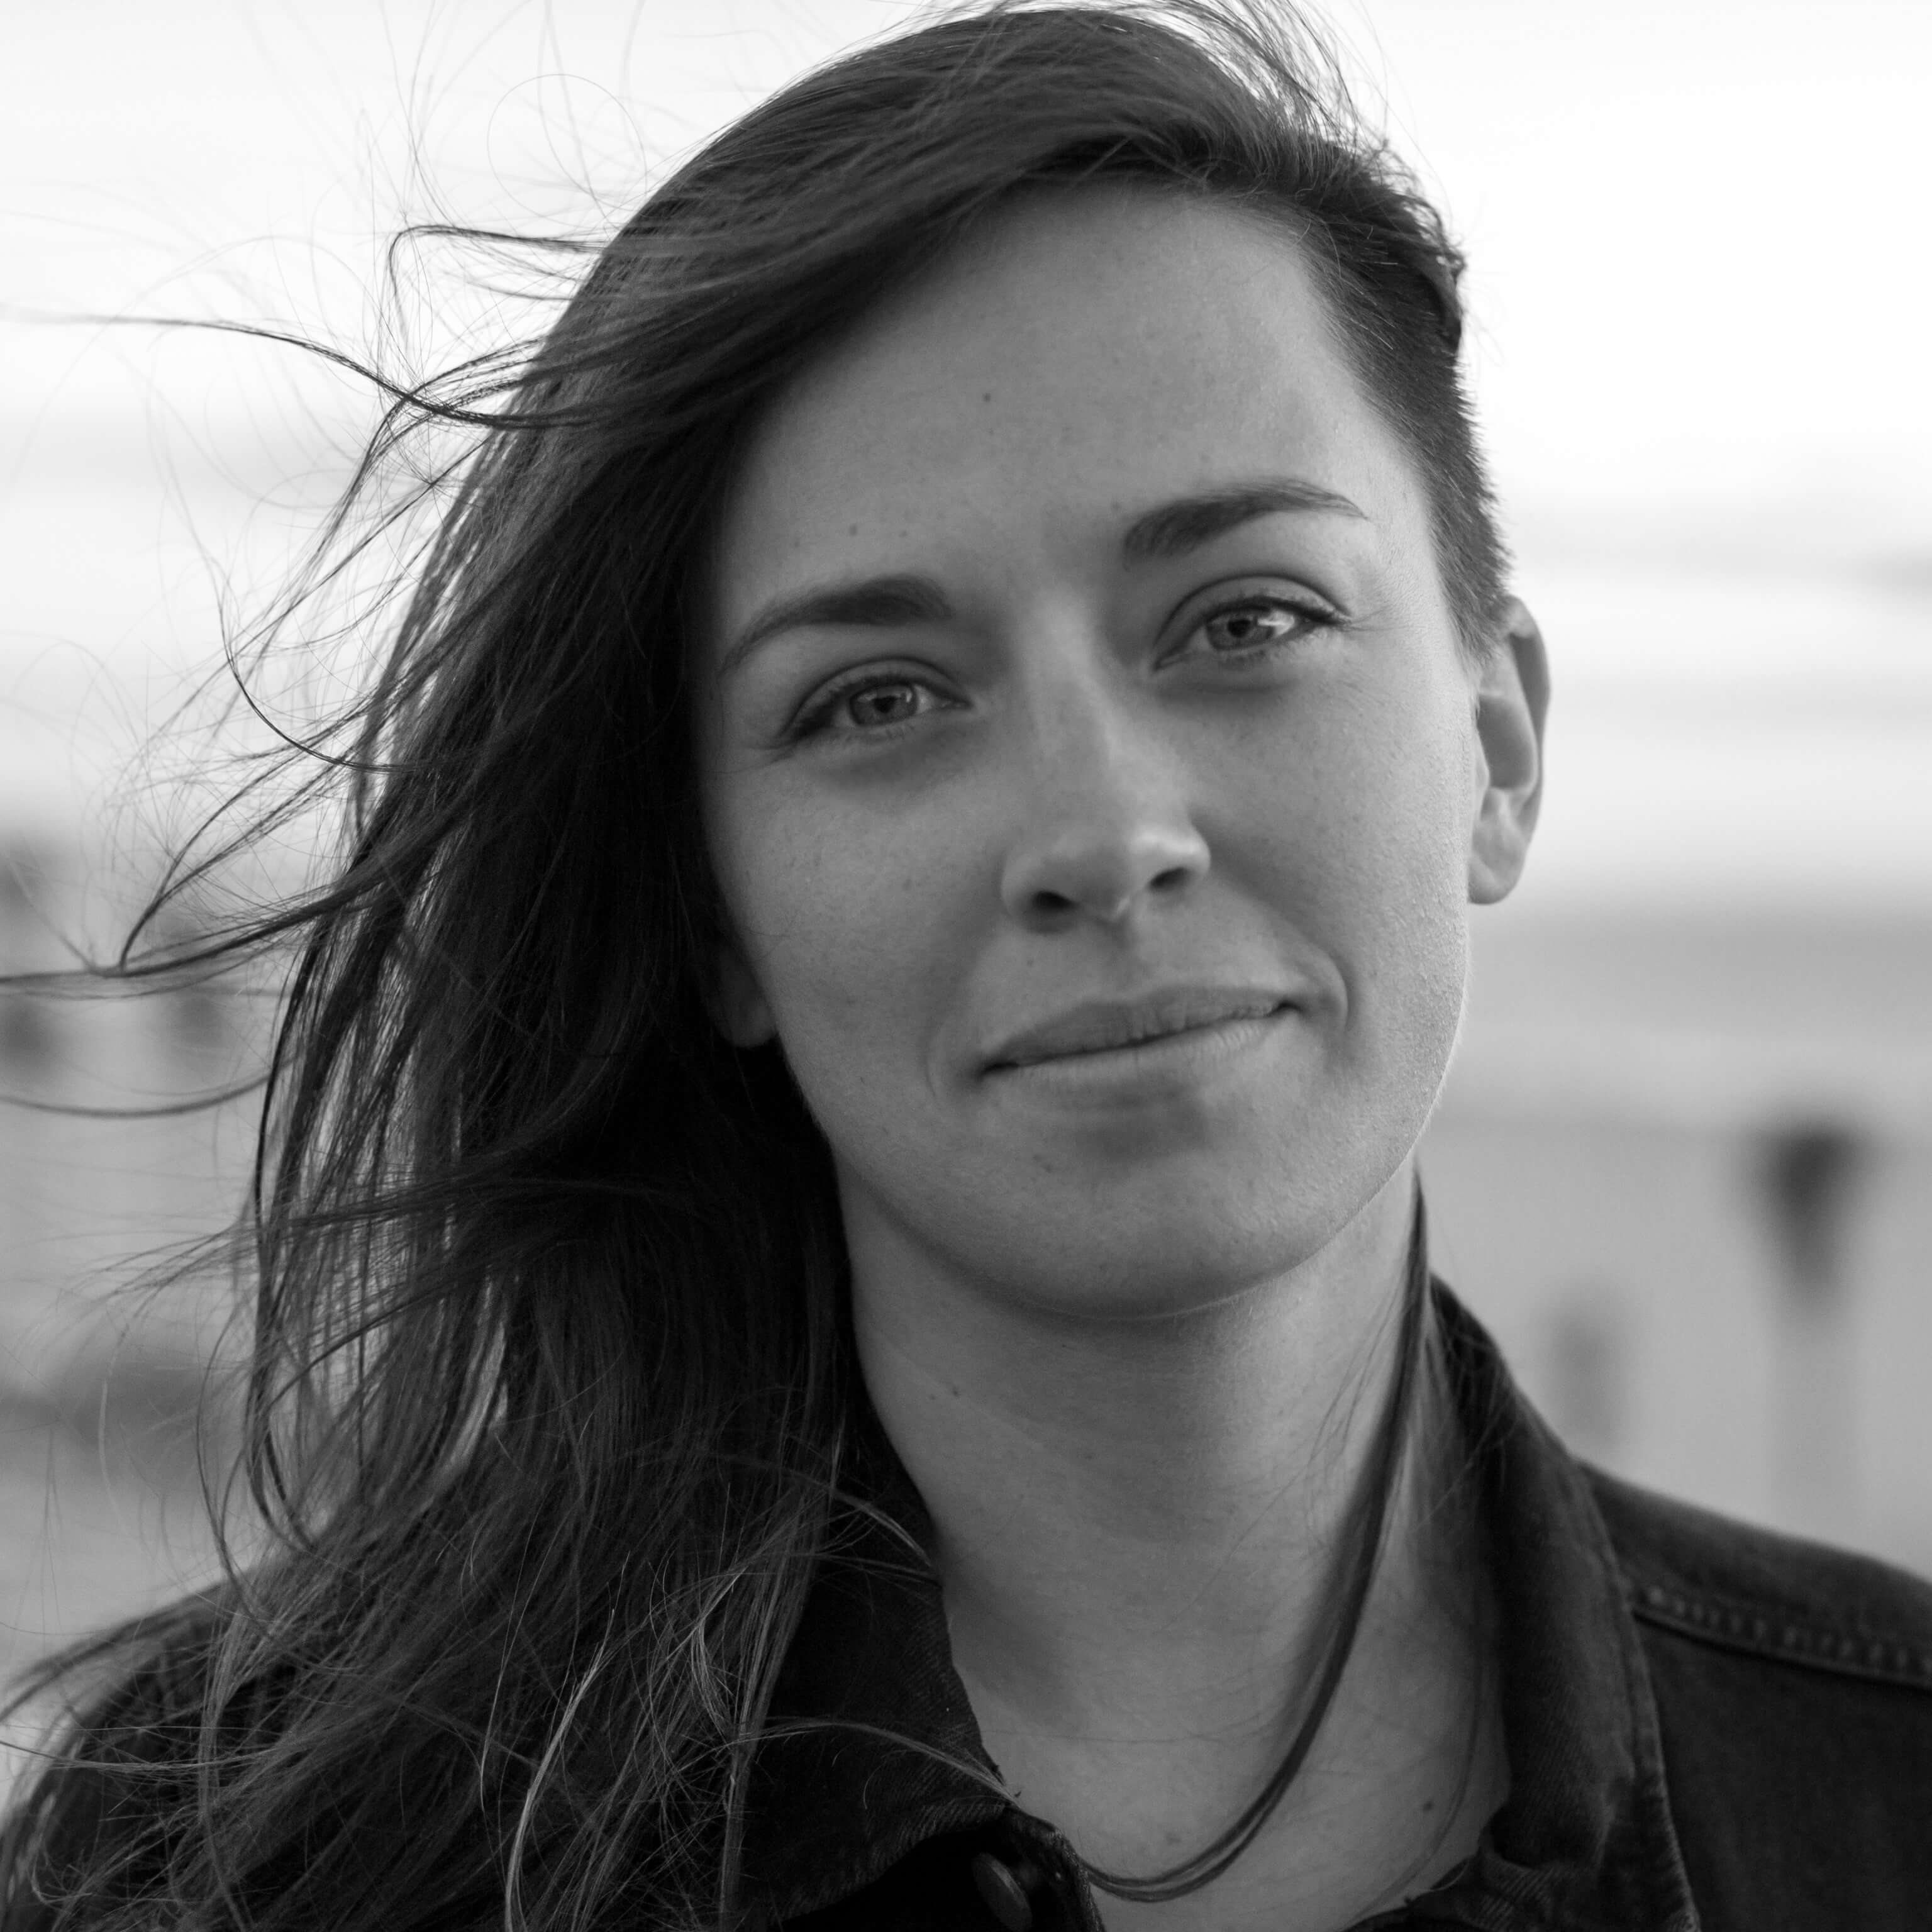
(814, 719)
(1314, 616)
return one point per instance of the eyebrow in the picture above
(1174, 529)
(1169, 530)
(880, 601)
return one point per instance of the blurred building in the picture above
(111, 1346)
(1684, 1168)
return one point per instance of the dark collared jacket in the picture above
(1708, 1726)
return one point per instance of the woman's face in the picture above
(1093, 775)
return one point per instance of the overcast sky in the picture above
(1700, 283)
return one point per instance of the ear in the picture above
(739, 1010)
(1511, 697)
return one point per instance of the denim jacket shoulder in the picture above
(1709, 1726)
(1793, 1685)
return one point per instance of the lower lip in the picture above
(1172, 1066)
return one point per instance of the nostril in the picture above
(1102, 873)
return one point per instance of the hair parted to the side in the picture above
(552, 1380)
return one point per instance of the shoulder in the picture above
(1793, 1696)
(1733, 1586)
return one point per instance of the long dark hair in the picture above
(551, 1380)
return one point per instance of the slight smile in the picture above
(1156, 1025)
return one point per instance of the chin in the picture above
(1178, 1242)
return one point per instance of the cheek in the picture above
(1369, 805)
(850, 925)
(1413, 974)
(1373, 851)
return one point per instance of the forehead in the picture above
(1092, 352)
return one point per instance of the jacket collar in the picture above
(1585, 1840)
(872, 1749)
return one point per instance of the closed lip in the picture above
(1107, 1026)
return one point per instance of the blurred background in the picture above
(1684, 1165)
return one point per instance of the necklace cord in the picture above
(1208, 1863)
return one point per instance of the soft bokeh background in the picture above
(1684, 1163)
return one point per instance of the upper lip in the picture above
(1096, 1026)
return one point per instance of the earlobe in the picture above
(1512, 699)
(738, 1007)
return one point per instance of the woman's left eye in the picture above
(1256, 625)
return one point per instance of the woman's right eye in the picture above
(883, 703)
(869, 705)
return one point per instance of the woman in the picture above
(843, 1335)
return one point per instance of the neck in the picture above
(1138, 1521)
(1142, 1529)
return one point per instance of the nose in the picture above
(1105, 828)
